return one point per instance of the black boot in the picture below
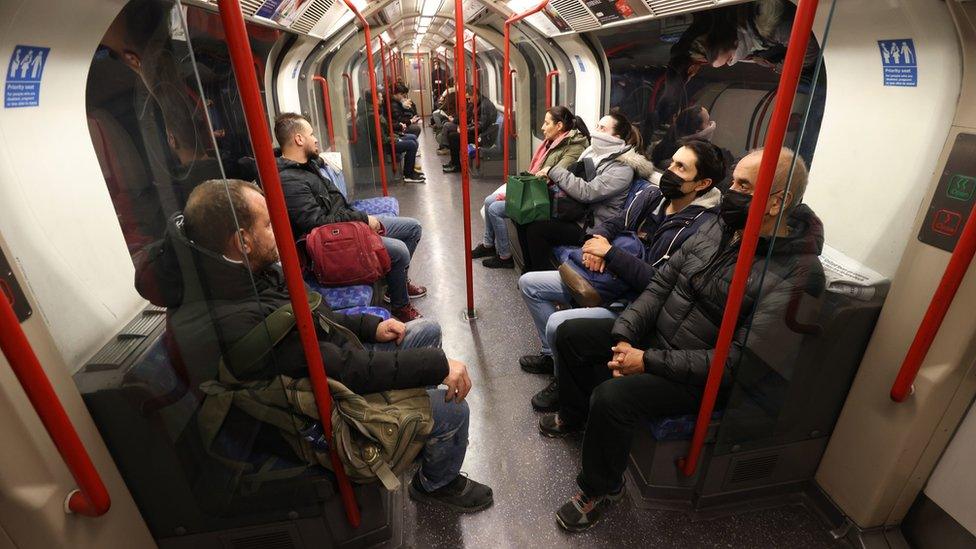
(537, 364)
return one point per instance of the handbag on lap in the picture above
(526, 199)
(346, 254)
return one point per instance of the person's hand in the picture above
(374, 224)
(594, 263)
(391, 330)
(544, 172)
(457, 381)
(626, 361)
(598, 246)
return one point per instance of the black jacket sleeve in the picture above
(305, 211)
(612, 227)
(636, 272)
(637, 321)
(364, 326)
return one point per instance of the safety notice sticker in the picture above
(899, 62)
(23, 86)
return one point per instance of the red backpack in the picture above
(346, 254)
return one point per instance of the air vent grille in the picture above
(275, 539)
(312, 15)
(752, 469)
(665, 7)
(576, 15)
(250, 7)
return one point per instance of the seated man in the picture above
(404, 112)
(313, 200)
(487, 114)
(237, 282)
(661, 218)
(653, 360)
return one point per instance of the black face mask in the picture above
(670, 185)
(734, 209)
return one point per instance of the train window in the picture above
(166, 120)
(725, 60)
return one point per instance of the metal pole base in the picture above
(469, 315)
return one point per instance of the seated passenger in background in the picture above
(404, 113)
(225, 232)
(313, 200)
(615, 165)
(565, 137)
(441, 114)
(653, 360)
(487, 114)
(690, 123)
(405, 144)
(660, 218)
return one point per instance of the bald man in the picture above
(652, 361)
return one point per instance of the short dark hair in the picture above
(400, 88)
(215, 210)
(286, 125)
(709, 161)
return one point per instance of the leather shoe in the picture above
(537, 364)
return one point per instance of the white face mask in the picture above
(604, 143)
(704, 134)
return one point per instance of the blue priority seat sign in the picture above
(23, 85)
(899, 62)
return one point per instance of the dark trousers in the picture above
(612, 408)
(454, 141)
(542, 236)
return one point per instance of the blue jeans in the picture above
(407, 146)
(443, 453)
(402, 236)
(541, 290)
(496, 233)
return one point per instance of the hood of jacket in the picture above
(174, 271)
(709, 200)
(643, 168)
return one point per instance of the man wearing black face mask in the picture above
(661, 218)
(652, 361)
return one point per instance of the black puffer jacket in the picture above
(311, 198)
(677, 318)
(213, 302)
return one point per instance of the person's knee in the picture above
(426, 331)
(489, 200)
(399, 253)
(608, 401)
(413, 228)
(497, 208)
(528, 284)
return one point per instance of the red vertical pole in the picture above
(549, 76)
(955, 271)
(327, 106)
(389, 111)
(459, 80)
(507, 83)
(806, 11)
(91, 499)
(257, 125)
(354, 138)
(372, 85)
(420, 82)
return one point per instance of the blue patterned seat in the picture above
(375, 311)
(343, 297)
(381, 205)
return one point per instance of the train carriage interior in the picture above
(274, 233)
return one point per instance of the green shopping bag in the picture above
(526, 199)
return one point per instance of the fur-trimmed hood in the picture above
(643, 168)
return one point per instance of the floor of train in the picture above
(531, 475)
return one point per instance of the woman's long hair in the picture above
(564, 116)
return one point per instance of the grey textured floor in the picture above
(532, 476)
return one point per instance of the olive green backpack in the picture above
(377, 436)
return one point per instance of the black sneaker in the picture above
(448, 168)
(461, 494)
(537, 364)
(547, 400)
(551, 426)
(482, 251)
(496, 262)
(582, 512)
(415, 178)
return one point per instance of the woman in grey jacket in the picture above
(616, 164)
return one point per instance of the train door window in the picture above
(166, 121)
(725, 60)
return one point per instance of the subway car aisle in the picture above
(532, 476)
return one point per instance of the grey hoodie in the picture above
(606, 193)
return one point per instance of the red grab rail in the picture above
(372, 86)
(459, 80)
(257, 125)
(91, 499)
(327, 106)
(549, 76)
(955, 271)
(386, 95)
(507, 84)
(354, 138)
(420, 82)
(799, 37)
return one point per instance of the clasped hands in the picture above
(594, 252)
(626, 360)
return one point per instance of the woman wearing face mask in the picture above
(615, 165)
(691, 123)
(565, 137)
